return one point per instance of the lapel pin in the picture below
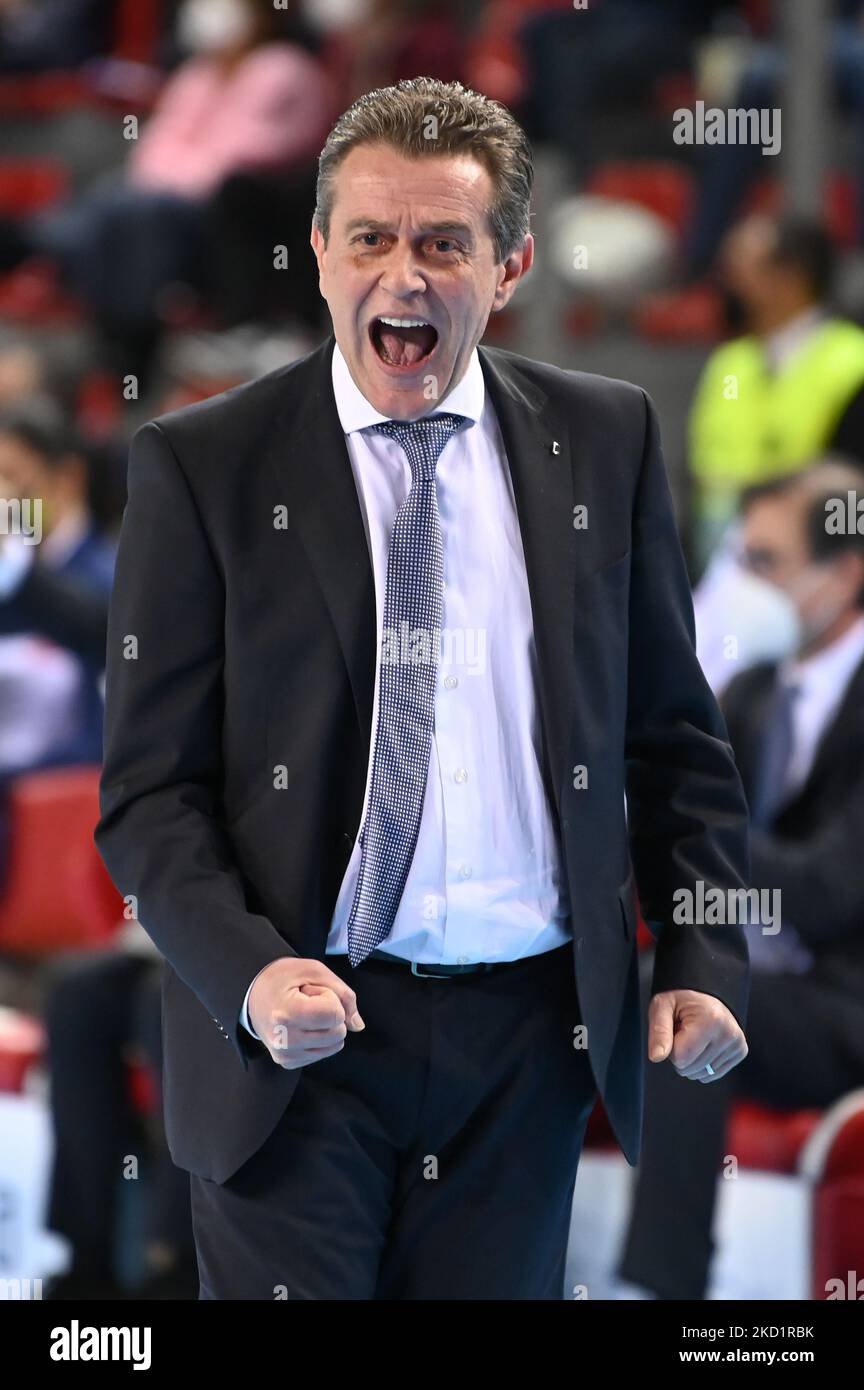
(556, 447)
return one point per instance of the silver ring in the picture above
(709, 1068)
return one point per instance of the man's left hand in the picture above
(694, 1031)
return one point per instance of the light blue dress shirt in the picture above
(485, 883)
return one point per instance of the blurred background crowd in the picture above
(157, 172)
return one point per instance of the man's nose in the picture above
(402, 275)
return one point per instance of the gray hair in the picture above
(424, 116)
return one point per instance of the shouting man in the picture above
(395, 629)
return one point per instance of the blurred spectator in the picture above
(790, 388)
(730, 168)
(390, 40)
(41, 35)
(243, 101)
(580, 61)
(103, 1010)
(739, 619)
(22, 373)
(54, 588)
(797, 730)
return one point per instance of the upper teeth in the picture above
(404, 323)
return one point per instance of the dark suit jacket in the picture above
(256, 647)
(813, 851)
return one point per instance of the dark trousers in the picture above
(434, 1157)
(806, 1041)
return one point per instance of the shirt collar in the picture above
(467, 397)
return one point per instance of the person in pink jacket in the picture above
(244, 101)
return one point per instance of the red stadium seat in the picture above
(57, 894)
(689, 315)
(840, 204)
(138, 30)
(142, 1086)
(761, 1138)
(30, 293)
(660, 186)
(43, 93)
(833, 1162)
(826, 1149)
(29, 185)
(98, 408)
(767, 1139)
(22, 1045)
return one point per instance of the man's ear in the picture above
(517, 264)
(319, 247)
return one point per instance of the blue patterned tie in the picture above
(413, 607)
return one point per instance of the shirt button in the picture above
(451, 682)
(461, 774)
(464, 870)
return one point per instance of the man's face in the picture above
(775, 547)
(774, 539)
(23, 473)
(745, 262)
(410, 240)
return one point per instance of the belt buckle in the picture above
(418, 970)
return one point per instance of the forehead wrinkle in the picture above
(469, 199)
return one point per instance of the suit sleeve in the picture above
(687, 812)
(160, 832)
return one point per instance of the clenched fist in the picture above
(696, 1032)
(302, 1011)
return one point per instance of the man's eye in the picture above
(445, 242)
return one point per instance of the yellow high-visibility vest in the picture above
(748, 424)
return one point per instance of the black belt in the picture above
(433, 971)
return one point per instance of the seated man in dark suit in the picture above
(56, 571)
(797, 730)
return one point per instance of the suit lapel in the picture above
(316, 479)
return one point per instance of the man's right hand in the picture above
(302, 1011)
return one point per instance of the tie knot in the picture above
(423, 440)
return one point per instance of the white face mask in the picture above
(776, 612)
(206, 26)
(771, 623)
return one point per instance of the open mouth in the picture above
(403, 343)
